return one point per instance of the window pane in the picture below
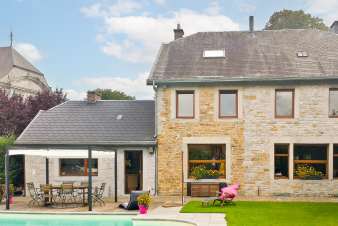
(310, 161)
(77, 167)
(228, 103)
(281, 161)
(284, 103)
(281, 149)
(185, 105)
(333, 111)
(208, 158)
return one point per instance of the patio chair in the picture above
(47, 192)
(36, 195)
(98, 194)
(67, 194)
(132, 204)
(82, 193)
(227, 194)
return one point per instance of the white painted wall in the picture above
(35, 168)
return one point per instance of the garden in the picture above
(261, 213)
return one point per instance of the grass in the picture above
(247, 213)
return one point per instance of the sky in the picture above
(81, 45)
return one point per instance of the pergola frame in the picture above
(66, 146)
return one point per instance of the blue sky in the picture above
(84, 44)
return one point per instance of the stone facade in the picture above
(35, 168)
(251, 136)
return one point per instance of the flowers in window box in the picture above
(308, 172)
(201, 172)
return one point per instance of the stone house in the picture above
(19, 76)
(254, 107)
(257, 107)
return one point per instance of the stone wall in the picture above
(23, 82)
(172, 132)
(252, 136)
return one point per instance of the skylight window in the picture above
(216, 53)
(302, 54)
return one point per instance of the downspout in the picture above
(155, 136)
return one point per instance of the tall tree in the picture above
(108, 94)
(16, 113)
(289, 19)
(13, 114)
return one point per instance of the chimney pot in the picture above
(251, 23)
(334, 27)
(178, 32)
(92, 97)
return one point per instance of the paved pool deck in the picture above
(173, 213)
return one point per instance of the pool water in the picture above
(78, 220)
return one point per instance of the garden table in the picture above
(48, 190)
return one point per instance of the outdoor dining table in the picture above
(48, 190)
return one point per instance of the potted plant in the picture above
(308, 172)
(143, 202)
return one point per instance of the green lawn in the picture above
(245, 213)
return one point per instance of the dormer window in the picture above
(216, 53)
(302, 54)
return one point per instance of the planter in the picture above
(11, 199)
(312, 177)
(210, 177)
(143, 209)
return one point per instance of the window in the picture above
(281, 161)
(77, 167)
(333, 103)
(310, 161)
(208, 157)
(185, 106)
(335, 161)
(228, 104)
(284, 103)
(214, 53)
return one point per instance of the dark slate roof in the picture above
(258, 55)
(10, 58)
(82, 123)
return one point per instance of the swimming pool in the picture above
(78, 220)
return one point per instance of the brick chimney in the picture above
(178, 32)
(251, 23)
(92, 97)
(334, 27)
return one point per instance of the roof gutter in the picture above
(238, 80)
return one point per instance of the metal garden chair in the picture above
(36, 195)
(98, 195)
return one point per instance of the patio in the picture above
(53, 192)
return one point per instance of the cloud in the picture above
(29, 51)
(121, 7)
(213, 8)
(137, 38)
(247, 8)
(75, 95)
(135, 87)
(160, 2)
(326, 9)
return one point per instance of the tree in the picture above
(44, 101)
(5, 142)
(13, 114)
(289, 19)
(108, 94)
(16, 113)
